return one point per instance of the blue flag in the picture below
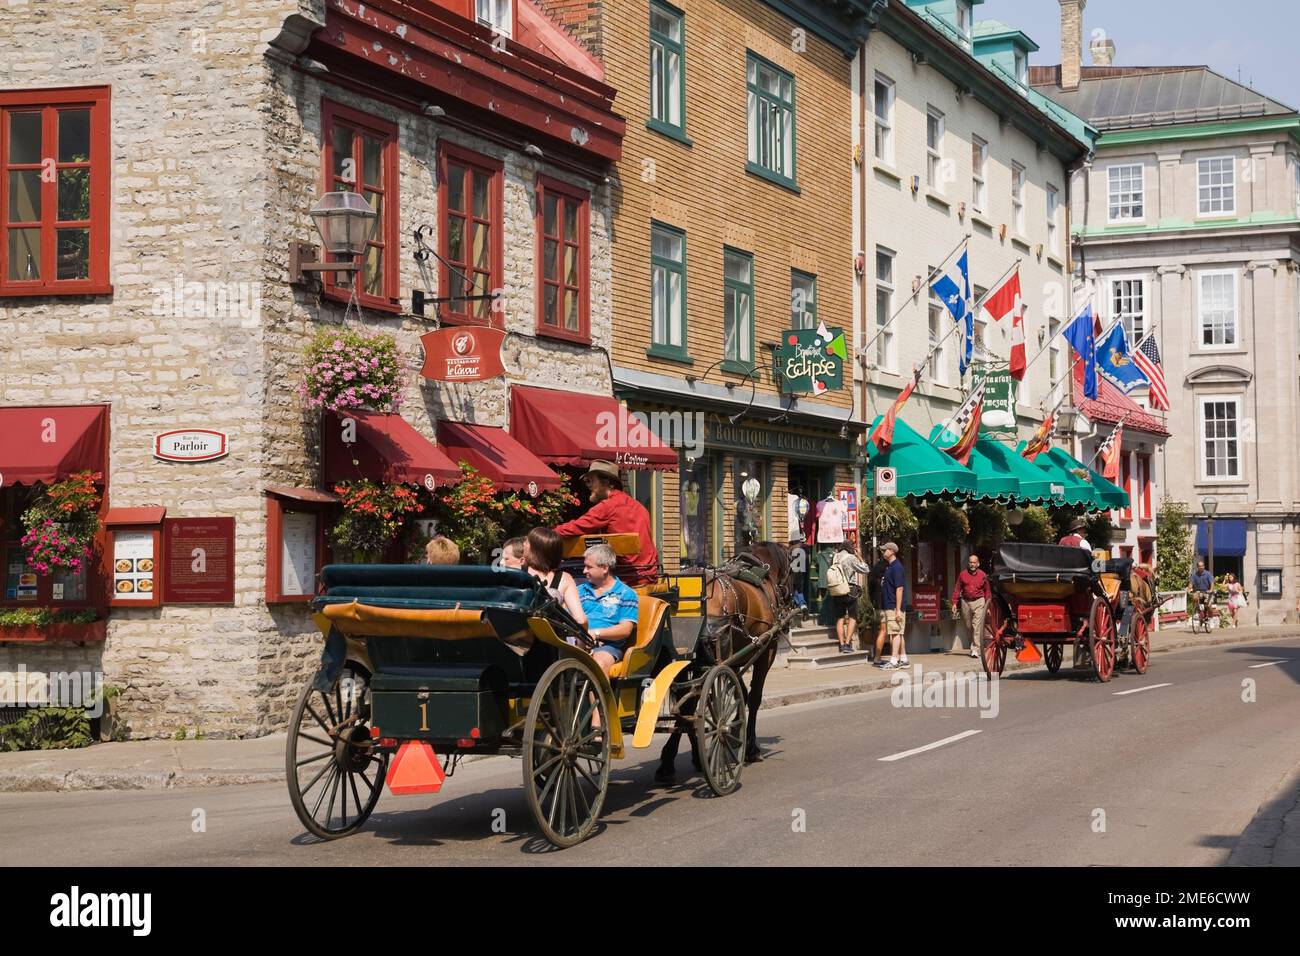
(1079, 334)
(1115, 361)
(958, 301)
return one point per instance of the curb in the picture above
(83, 780)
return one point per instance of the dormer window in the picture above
(496, 15)
(964, 18)
(1022, 68)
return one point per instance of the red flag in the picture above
(966, 425)
(1005, 298)
(882, 436)
(1110, 454)
(1041, 441)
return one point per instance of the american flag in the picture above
(1147, 359)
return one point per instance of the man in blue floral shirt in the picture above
(610, 606)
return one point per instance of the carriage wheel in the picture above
(566, 758)
(1101, 639)
(993, 653)
(1052, 655)
(334, 773)
(1141, 649)
(720, 728)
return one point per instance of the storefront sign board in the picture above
(811, 360)
(998, 417)
(776, 442)
(925, 600)
(462, 354)
(191, 445)
(200, 556)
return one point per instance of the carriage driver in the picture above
(614, 511)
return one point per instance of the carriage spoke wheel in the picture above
(334, 773)
(720, 728)
(993, 652)
(1101, 639)
(1052, 655)
(566, 753)
(1140, 652)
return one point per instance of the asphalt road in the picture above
(1163, 769)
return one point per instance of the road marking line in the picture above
(1138, 690)
(938, 743)
(1266, 664)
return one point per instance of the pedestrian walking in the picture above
(893, 602)
(845, 591)
(1236, 596)
(972, 594)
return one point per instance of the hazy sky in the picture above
(1261, 37)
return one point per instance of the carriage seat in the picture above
(649, 618)
(1042, 563)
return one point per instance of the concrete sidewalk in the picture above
(165, 764)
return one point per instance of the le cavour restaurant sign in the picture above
(998, 418)
(190, 445)
(811, 360)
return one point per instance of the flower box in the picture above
(52, 633)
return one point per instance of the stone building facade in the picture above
(215, 158)
(1187, 224)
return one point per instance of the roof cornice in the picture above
(1288, 123)
(842, 23)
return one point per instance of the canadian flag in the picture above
(1006, 298)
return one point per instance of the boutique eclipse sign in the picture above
(191, 445)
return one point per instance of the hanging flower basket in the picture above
(347, 369)
(373, 514)
(62, 524)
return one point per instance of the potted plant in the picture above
(373, 515)
(61, 525)
(30, 624)
(348, 369)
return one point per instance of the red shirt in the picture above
(971, 586)
(620, 513)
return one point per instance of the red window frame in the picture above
(48, 103)
(385, 236)
(474, 311)
(568, 196)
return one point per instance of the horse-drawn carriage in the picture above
(426, 665)
(1060, 596)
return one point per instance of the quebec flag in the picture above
(958, 301)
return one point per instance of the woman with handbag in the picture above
(844, 589)
(1236, 596)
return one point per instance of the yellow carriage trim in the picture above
(448, 624)
(544, 631)
(625, 544)
(651, 701)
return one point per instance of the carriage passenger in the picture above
(610, 605)
(543, 551)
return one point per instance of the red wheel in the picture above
(1141, 649)
(993, 652)
(1101, 639)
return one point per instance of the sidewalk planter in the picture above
(54, 633)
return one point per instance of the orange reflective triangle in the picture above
(415, 769)
(1029, 654)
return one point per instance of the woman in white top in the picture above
(1236, 596)
(543, 551)
(846, 605)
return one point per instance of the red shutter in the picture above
(1126, 483)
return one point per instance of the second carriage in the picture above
(1062, 597)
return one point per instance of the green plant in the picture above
(1173, 546)
(181, 734)
(47, 728)
(372, 516)
(988, 524)
(62, 523)
(941, 521)
(1035, 527)
(44, 616)
(350, 369)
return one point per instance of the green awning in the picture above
(1035, 487)
(994, 479)
(923, 470)
(1067, 488)
(1111, 495)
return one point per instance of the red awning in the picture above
(497, 455)
(570, 428)
(387, 449)
(46, 443)
(149, 514)
(1112, 406)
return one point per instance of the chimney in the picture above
(1103, 50)
(1071, 42)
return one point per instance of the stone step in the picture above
(823, 661)
(816, 648)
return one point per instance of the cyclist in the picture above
(1202, 590)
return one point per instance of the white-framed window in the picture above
(1217, 308)
(940, 324)
(886, 349)
(934, 149)
(979, 164)
(964, 18)
(1125, 193)
(1053, 207)
(496, 14)
(1216, 186)
(981, 349)
(883, 105)
(1295, 170)
(1055, 368)
(1022, 68)
(1128, 304)
(1017, 199)
(1220, 456)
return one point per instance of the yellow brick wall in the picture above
(704, 188)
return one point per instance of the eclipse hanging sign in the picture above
(461, 353)
(811, 360)
(191, 445)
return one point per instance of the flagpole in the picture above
(1112, 435)
(890, 321)
(1064, 325)
(974, 309)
